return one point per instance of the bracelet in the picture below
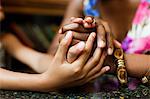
(121, 69)
(146, 78)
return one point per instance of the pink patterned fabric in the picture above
(138, 38)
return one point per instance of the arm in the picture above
(26, 55)
(136, 64)
(20, 81)
(74, 9)
(60, 73)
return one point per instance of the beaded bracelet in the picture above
(121, 69)
(146, 78)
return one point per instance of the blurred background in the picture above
(34, 22)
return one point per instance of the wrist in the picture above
(43, 63)
(47, 82)
(109, 61)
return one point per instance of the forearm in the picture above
(20, 81)
(74, 9)
(26, 55)
(136, 64)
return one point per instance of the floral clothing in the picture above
(136, 41)
(138, 38)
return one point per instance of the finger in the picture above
(117, 44)
(98, 67)
(88, 47)
(109, 36)
(89, 22)
(87, 25)
(74, 51)
(75, 41)
(80, 36)
(76, 37)
(98, 74)
(101, 36)
(93, 61)
(89, 19)
(72, 18)
(86, 80)
(61, 36)
(75, 27)
(77, 20)
(63, 46)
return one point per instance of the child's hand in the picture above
(102, 28)
(62, 74)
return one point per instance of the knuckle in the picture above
(105, 23)
(97, 68)
(101, 27)
(85, 36)
(86, 50)
(71, 53)
(60, 38)
(74, 26)
(82, 76)
(77, 71)
(95, 60)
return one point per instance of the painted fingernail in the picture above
(101, 43)
(68, 35)
(107, 68)
(110, 51)
(81, 46)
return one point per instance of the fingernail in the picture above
(86, 25)
(107, 68)
(68, 35)
(89, 19)
(60, 31)
(81, 45)
(93, 34)
(101, 43)
(110, 51)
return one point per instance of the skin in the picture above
(43, 82)
(55, 74)
(117, 25)
(131, 61)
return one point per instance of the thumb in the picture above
(63, 46)
(74, 51)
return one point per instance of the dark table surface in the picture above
(141, 92)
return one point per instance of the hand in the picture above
(62, 74)
(101, 27)
(104, 33)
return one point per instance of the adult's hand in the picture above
(84, 27)
(62, 74)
